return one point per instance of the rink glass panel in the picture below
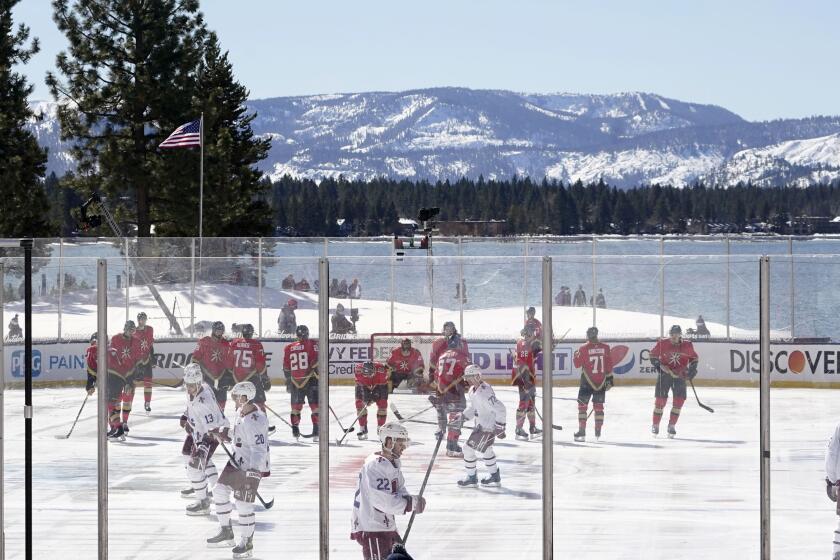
(491, 331)
(631, 492)
(803, 408)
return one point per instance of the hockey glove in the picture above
(655, 363)
(415, 503)
(692, 370)
(185, 423)
(831, 490)
(288, 375)
(500, 431)
(249, 487)
(266, 382)
(226, 381)
(434, 398)
(222, 435)
(198, 458)
(608, 384)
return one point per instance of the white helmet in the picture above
(244, 388)
(193, 375)
(393, 430)
(472, 371)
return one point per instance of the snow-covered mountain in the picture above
(445, 133)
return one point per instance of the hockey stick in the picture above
(361, 413)
(350, 429)
(76, 420)
(422, 488)
(430, 423)
(271, 410)
(266, 505)
(401, 418)
(703, 406)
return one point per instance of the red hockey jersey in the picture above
(537, 326)
(213, 355)
(674, 359)
(122, 355)
(405, 365)
(301, 358)
(91, 359)
(246, 358)
(593, 358)
(146, 340)
(440, 346)
(379, 377)
(524, 357)
(450, 369)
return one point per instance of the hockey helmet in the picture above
(592, 334)
(393, 430)
(675, 329)
(247, 330)
(94, 337)
(368, 369)
(142, 316)
(218, 326)
(193, 375)
(527, 331)
(449, 325)
(302, 332)
(472, 372)
(129, 326)
(531, 311)
(245, 388)
(405, 343)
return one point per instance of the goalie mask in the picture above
(218, 329)
(405, 345)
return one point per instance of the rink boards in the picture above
(724, 363)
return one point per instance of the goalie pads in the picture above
(247, 492)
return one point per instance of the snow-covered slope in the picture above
(445, 133)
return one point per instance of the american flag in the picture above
(185, 136)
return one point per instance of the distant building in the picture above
(473, 227)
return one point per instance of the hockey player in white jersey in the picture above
(832, 482)
(381, 494)
(202, 420)
(489, 413)
(251, 463)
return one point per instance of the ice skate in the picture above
(245, 548)
(124, 426)
(362, 434)
(469, 482)
(672, 431)
(148, 408)
(494, 479)
(453, 449)
(315, 433)
(296, 432)
(117, 435)
(580, 435)
(521, 434)
(535, 432)
(201, 507)
(188, 493)
(224, 539)
(597, 434)
(654, 430)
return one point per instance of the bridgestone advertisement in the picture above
(729, 362)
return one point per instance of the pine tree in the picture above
(22, 162)
(128, 81)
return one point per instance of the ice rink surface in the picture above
(629, 496)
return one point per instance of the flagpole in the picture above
(201, 192)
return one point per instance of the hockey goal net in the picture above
(383, 344)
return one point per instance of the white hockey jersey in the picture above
(487, 410)
(832, 456)
(250, 441)
(380, 495)
(203, 413)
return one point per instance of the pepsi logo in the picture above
(622, 358)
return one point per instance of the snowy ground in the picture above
(629, 496)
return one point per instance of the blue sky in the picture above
(762, 59)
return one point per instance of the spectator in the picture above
(302, 286)
(702, 329)
(355, 289)
(334, 288)
(288, 283)
(340, 323)
(316, 284)
(600, 300)
(14, 328)
(287, 321)
(580, 297)
(342, 289)
(559, 298)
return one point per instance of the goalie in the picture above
(406, 364)
(371, 386)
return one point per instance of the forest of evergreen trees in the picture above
(304, 208)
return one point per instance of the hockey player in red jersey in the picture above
(122, 357)
(371, 386)
(405, 363)
(145, 336)
(212, 353)
(533, 322)
(676, 361)
(441, 345)
(91, 363)
(381, 495)
(449, 393)
(300, 363)
(524, 376)
(596, 378)
(247, 362)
